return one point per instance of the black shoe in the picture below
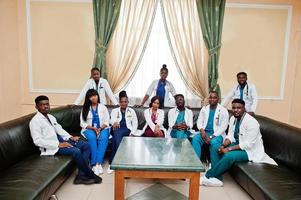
(97, 179)
(84, 181)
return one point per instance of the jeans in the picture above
(80, 153)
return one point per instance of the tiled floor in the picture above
(105, 191)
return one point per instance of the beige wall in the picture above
(15, 46)
(254, 41)
(68, 65)
(288, 109)
(10, 91)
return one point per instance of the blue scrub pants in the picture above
(225, 161)
(215, 143)
(98, 145)
(118, 134)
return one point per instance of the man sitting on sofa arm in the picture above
(52, 139)
(242, 144)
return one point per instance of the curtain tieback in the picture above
(215, 49)
(99, 46)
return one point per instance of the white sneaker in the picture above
(95, 170)
(110, 171)
(100, 169)
(212, 182)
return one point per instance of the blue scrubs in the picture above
(228, 159)
(198, 142)
(161, 92)
(98, 144)
(118, 134)
(95, 119)
(180, 133)
(241, 90)
(209, 127)
(236, 130)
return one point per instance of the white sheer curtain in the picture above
(129, 41)
(157, 53)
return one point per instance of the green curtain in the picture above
(211, 15)
(106, 13)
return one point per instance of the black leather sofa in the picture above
(26, 175)
(263, 181)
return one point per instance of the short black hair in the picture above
(95, 68)
(179, 95)
(122, 94)
(40, 98)
(240, 101)
(214, 92)
(241, 73)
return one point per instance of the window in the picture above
(158, 52)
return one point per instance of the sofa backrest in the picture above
(282, 142)
(69, 118)
(15, 141)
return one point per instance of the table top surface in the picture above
(156, 154)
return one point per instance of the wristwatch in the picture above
(229, 148)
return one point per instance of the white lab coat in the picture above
(250, 139)
(130, 118)
(160, 120)
(104, 117)
(249, 96)
(172, 117)
(169, 88)
(220, 123)
(44, 134)
(103, 89)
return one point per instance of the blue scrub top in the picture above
(236, 130)
(122, 123)
(161, 92)
(209, 127)
(241, 90)
(95, 117)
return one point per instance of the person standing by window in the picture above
(161, 88)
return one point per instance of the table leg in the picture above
(194, 185)
(119, 186)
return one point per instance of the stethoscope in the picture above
(247, 92)
(218, 116)
(118, 115)
(97, 87)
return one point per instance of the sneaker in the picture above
(100, 169)
(95, 170)
(203, 180)
(212, 182)
(110, 171)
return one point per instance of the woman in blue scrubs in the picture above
(161, 88)
(94, 120)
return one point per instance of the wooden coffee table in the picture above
(163, 158)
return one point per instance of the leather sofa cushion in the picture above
(29, 177)
(15, 141)
(264, 181)
(282, 142)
